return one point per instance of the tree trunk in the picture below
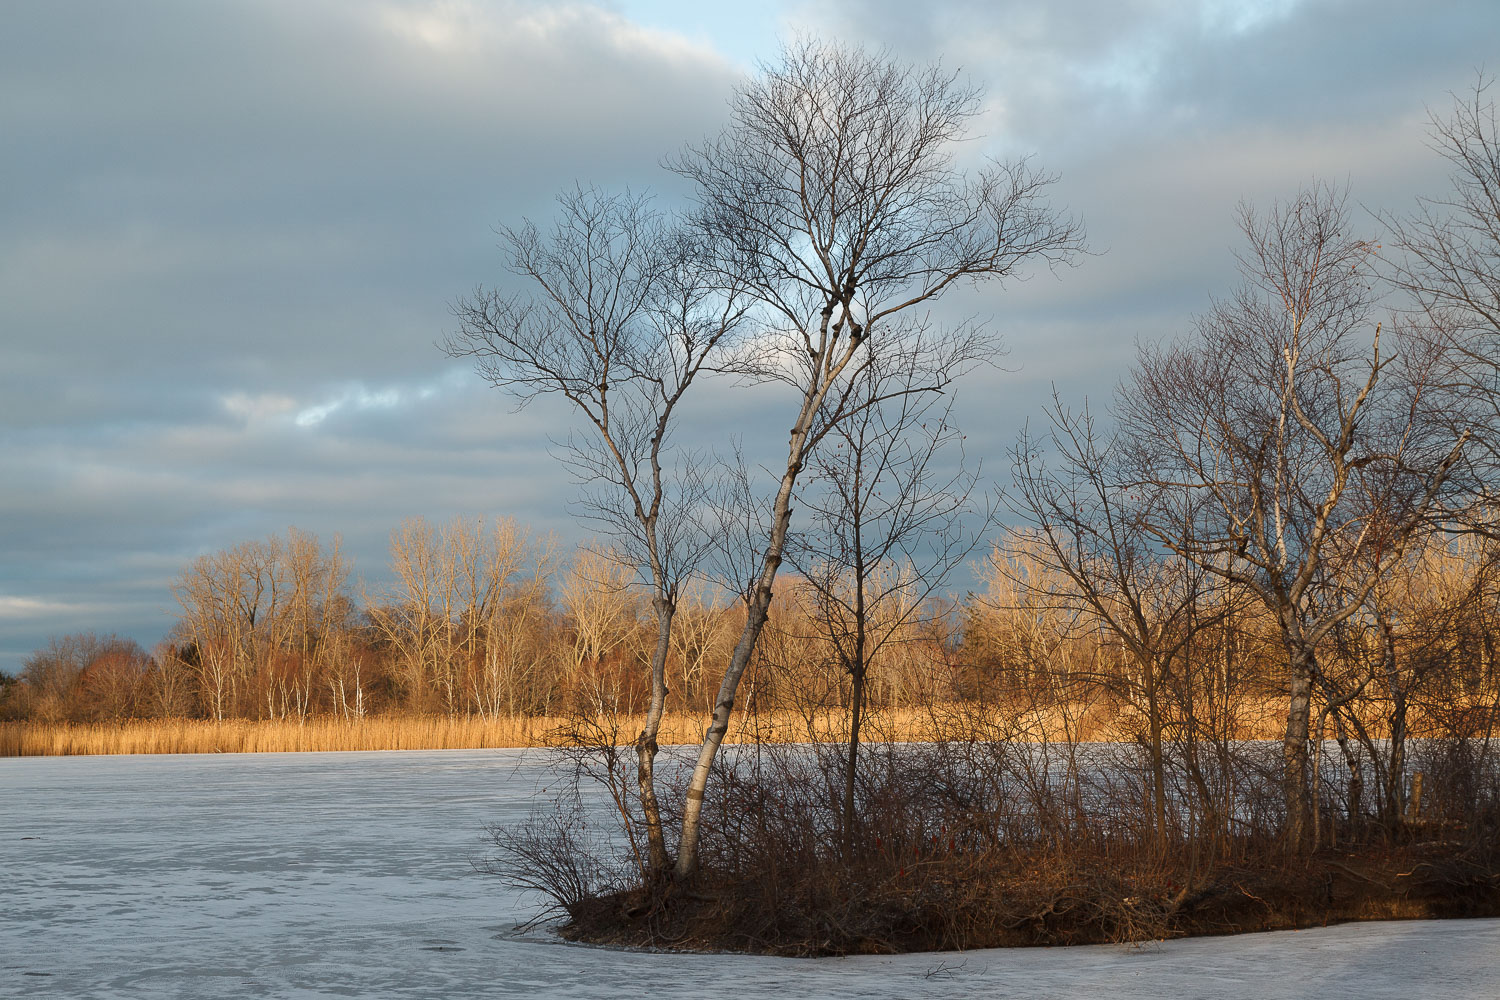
(692, 810)
(1395, 779)
(1294, 747)
(858, 667)
(759, 606)
(1158, 764)
(646, 745)
(856, 712)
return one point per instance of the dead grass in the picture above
(33, 739)
(248, 736)
(1093, 722)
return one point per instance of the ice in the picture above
(348, 874)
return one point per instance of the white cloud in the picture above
(355, 398)
(1238, 17)
(25, 608)
(461, 26)
(444, 26)
(257, 407)
(360, 399)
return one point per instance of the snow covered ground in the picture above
(343, 874)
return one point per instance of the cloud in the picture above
(258, 406)
(354, 399)
(27, 608)
(1239, 17)
(357, 398)
(233, 230)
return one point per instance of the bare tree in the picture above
(1308, 456)
(168, 682)
(602, 615)
(887, 525)
(260, 620)
(228, 598)
(1449, 262)
(317, 611)
(414, 615)
(1410, 636)
(700, 635)
(505, 586)
(833, 201)
(618, 321)
(1089, 526)
(83, 674)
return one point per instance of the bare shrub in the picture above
(556, 853)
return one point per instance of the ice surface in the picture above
(347, 874)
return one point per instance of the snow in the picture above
(346, 874)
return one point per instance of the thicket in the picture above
(979, 839)
(1008, 797)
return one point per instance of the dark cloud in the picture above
(229, 233)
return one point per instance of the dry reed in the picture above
(30, 739)
(27, 739)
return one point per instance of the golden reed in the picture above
(26, 739)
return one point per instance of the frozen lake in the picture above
(348, 875)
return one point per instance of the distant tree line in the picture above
(481, 618)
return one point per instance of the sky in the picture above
(231, 233)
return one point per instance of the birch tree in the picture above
(504, 574)
(412, 617)
(833, 200)
(601, 613)
(1308, 453)
(1448, 260)
(229, 600)
(615, 319)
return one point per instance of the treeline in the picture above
(483, 619)
(480, 618)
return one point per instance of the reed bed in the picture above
(177, 735)
(264, 736)
(32, 739)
